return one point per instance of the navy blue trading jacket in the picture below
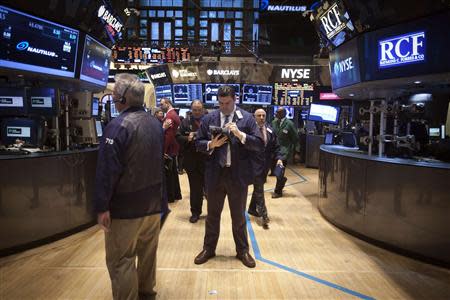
(130, 166)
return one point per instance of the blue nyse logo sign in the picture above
(400, 50)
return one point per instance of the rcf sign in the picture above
(403, 49)
(331, 21)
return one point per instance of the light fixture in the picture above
(351, 95)
(417, 82)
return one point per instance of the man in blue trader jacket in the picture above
(229, 169)
(128, 196)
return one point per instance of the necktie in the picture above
(263, 134)
(223, 151)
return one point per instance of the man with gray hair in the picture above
(129, 191)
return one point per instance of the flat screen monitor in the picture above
(254, 94)
(329, 138)
(186, 93)
(182, 112)
(42, 101)
(211, 92)
(434, 132)
(163, 91)
(289, 111)
(324, 113)
(95, 62)
(114, 112)
(12, 102)
(36, 45)
(99, 128)
(95, 103)
(23, 129)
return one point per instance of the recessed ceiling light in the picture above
(20, 75)
(417, 82)
(351, 95)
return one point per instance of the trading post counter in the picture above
(400, 204)
(45, 196)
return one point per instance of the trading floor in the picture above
(301, 256)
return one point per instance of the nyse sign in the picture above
(331, 21)
(295, 73)
(400, 50)
(343, 66)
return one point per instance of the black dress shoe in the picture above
(246, 259)
(276, 195)
(194, 218)
(253, 213)
(265, 222)
(203, 257)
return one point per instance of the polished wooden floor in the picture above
(301, 256)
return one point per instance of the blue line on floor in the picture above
(298, 174)
(259, 257)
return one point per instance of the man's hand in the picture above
(234, 129)
(280, 163)
(191, 136)
(217, 141)
(167, 123)
(104, 220)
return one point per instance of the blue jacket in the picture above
(243, 168)
(130, 165)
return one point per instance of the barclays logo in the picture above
(22, 45)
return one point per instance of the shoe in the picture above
(276, 195)
(253, 213)
(246, 259)
(203, 257)
(194, 218)
(265, 222)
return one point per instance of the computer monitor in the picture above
(114, 112)
(186, 93)
(329, 136)
(324, 113)
(289, 111)
(183, 111)
(12, 102)
(27, 130)
(211, 90)
(255, 94)
(95, 103)
(95, 62)
(99, 128)
(33, 44)
(42, 102)
(163, 91)
(434, 133)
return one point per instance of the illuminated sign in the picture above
(109, 18)
(158, 75)
(329, 96)
(183, 73)
(211, 72)
(331, 21)
(266, 6)
(295, 73)
(404, 49)
(344, 65)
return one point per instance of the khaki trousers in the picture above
(127, 239)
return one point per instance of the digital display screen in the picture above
(403, 49)
(257, 94)
(114, 112)
(150, 55)
(182, 112)
(99, 128)
(12, 102)
(33, 44)
(435, 132)
(95, 102)
(324, 113)
(95, 64)
(289, 111)
(163, 91)
(295, 94)
(211, 92)
(23, 129)
(186, 93)
(42, 101)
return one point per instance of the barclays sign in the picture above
(400, 50)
